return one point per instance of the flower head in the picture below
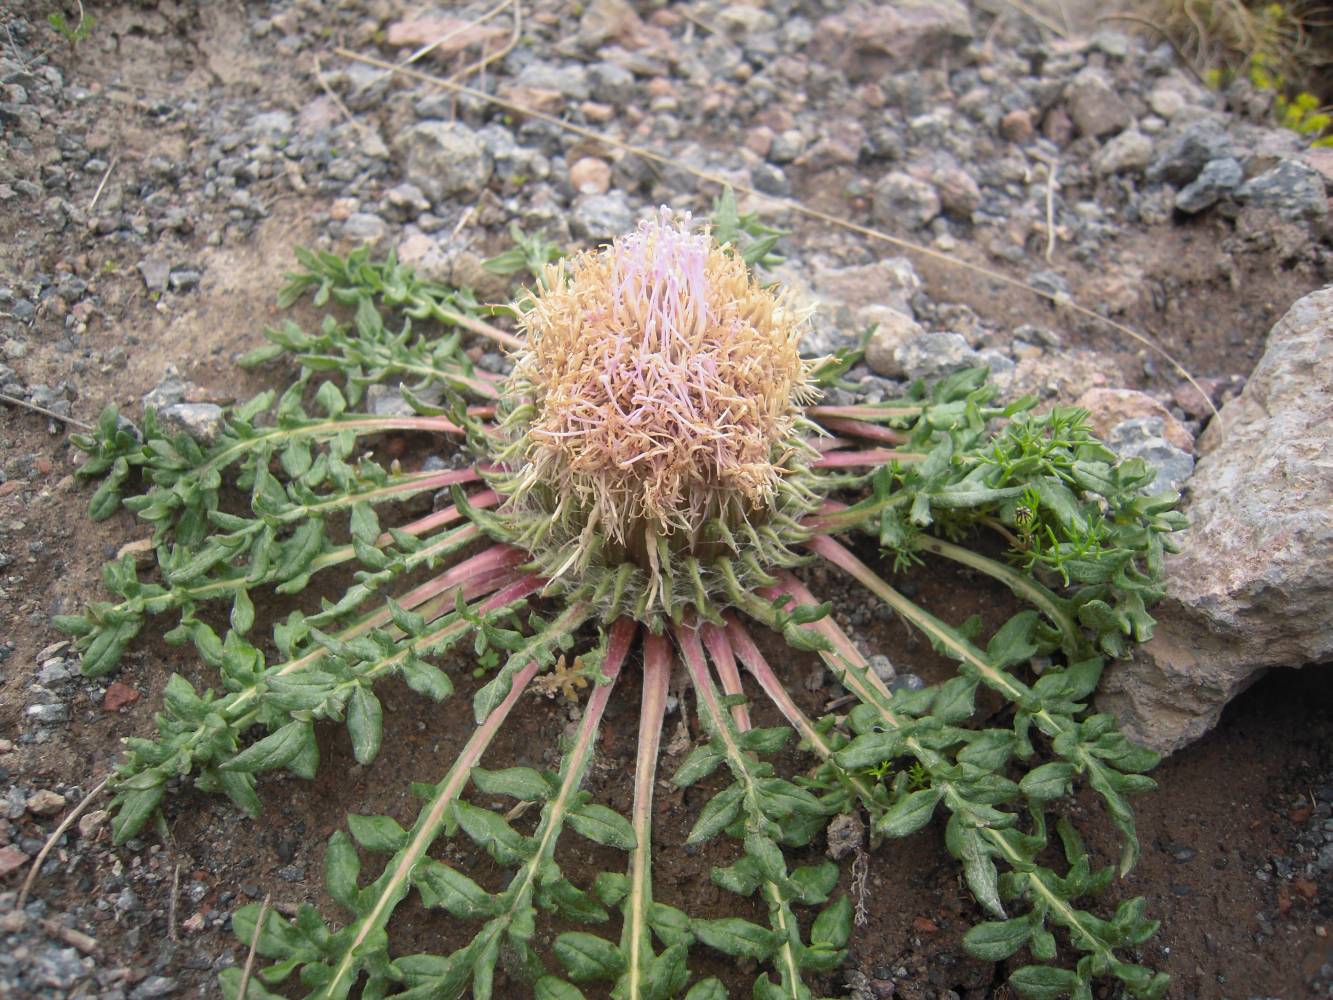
(661, 385)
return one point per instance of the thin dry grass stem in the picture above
(332, 95)
(800, 209)
(254, 947)
(56, 834)
(24, 404)
(106, 176)
(431, 46)
(171, 908)
(1165, 35)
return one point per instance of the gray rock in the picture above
(569, 81)
(934, 354)
(610, 84)
(1250, 588)
(1145, 438)
(870, 42)
(365, 227)
(787, 145)
(183, 279)
(58, 968)
(1127, 152)
(155, 272)
(50, 714)
(893, 331)
(1182, 152)
(271, 125)
(1094, 106)
(601, 216)
(1216, 180)
(903, 202)
(444, 159)
(769, 179)
(889, 282)
(201, 421)
(407, 199)
(153, 987)
(1294, 190)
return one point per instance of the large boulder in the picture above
(1251, 587)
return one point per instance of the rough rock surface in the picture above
(1251, 587)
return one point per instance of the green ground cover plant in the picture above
(643, 489)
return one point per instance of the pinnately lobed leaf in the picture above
(643, 489)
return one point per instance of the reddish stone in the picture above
(11, 859)
(1016, 126)
(924, 925)
(119, 696)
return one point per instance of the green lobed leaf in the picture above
(994, 941)
(602, 825)
(1044, 982)
(378, 834)
(587, 957)
(736, 937)
(364, 724)
(275, 750)
(908, 814)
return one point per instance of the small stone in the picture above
(447, 36)
(407, 199)
(786, 146)
(155, 273)
(444, 159)
(182, 279)
(119, 695)
(888, 282)
(882, 667)
(1094, 106)
(271, 125)
(45, 802)
(958, 193)
(365, 228)
(1182, 152)
(590, 175)
(597, 217)
(1129, 151)
(1294, 190)
(201, 421)
(426, 256)
(894, 329)
(48, 714)
(1166, 101)
(935, 354)
(153, 987)
(92, 822)
(768, 178)
(1109, 407)
(11, 859)
(1216, 180)
(1016, 125)
(901, 201)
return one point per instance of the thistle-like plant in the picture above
(646, 486)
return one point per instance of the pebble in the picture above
(590, 175)
(901, 201)
(600, 217)
(45, 802)
(1094, 106)
(201, 421)
(1182, 153)
(932, 355)
(1293, 189)
(1144, 438)
(1127, 152)
(1216, 180)
(444, 159)
(893, 331)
